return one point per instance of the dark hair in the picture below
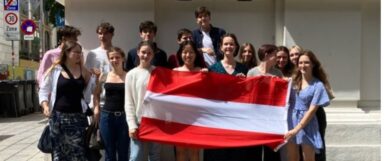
(289, 67)
(118, 50)
(105, 26)
(68, 46)
(182, 32)
(266, 48)
(317, 71)
(67, 31)
(253, 62)
(235, 41)
(148, 25)
(147, 43)
(202, 10)
(198, 62)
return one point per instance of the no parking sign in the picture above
(28, 27)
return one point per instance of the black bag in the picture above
(45, 141)
(93, 139)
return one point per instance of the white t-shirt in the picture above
(207, 42)
(97, 58)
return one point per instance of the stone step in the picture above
(353, 115)
(353, 134)
(353, 152)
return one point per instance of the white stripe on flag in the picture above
(216, 113)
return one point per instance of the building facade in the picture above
(344, 34)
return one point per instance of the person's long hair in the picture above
(253, 61)
(288, 69)
(198, 62)
(68, 46)
(317, 72)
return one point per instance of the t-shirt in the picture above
(272, 72)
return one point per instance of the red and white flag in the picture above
(210, 110)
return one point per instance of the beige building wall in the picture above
(345, 34)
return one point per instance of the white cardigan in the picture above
(48, 88)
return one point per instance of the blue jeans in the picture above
(137, 150)
(114, 134)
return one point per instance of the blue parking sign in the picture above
(11, 5)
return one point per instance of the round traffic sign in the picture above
(11, 18)
(28, 27)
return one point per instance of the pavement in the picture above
(19, 137)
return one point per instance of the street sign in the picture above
(11, 5)
(28, 27)
(11, 25)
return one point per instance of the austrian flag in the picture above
(210, 110)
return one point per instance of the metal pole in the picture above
(29, 17)
(42, 27)
(13, 61)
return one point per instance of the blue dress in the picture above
(314, 94)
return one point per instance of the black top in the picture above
(114, 97)
(69, 94)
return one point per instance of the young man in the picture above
(147, 32)
(66, 33)
(207, 36)
(97, 59)
(183, 35)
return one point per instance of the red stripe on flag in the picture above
(265, 90)
(202, 137)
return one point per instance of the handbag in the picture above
(93, 138)
(45, 141)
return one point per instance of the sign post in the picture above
(28, 27)
(12, 26)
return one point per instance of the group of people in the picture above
(114, 84)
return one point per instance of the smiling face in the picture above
(294, 54)
(305, 66)
(203, 20)
(247, 54)
(145, 54)
(116, 59)
(188, 55)
(282, 59)
(228, 46)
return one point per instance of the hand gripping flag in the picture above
(210, 110)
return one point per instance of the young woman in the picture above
(283, 62)
(191, 61)
(294, 54)
(247, 55)
(60, 96)
(135, 88)
(229, 47)
(310, 94)
(113, 125)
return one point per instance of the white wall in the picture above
(370, 57)
(332, 30)
(125, 16)
(344, 34)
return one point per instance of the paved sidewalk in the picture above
(19, 137)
